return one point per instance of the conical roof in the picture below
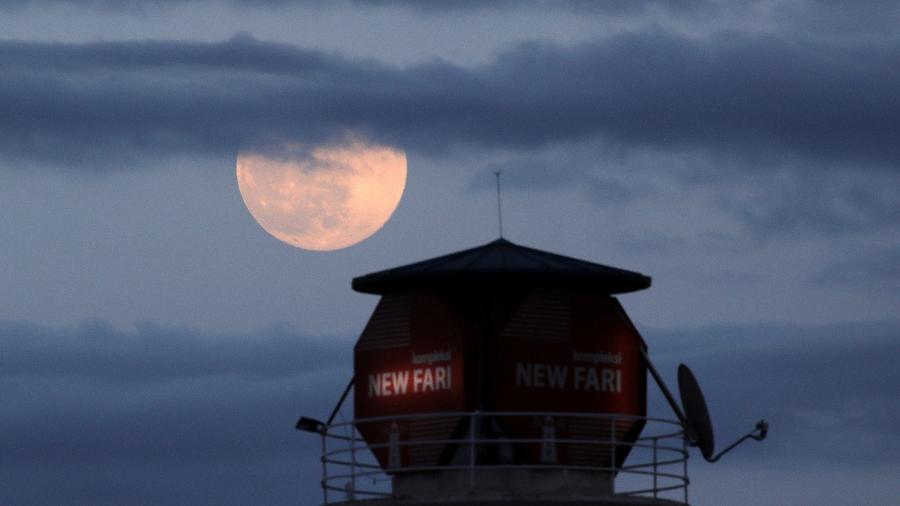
(505, 262)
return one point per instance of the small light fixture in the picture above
(308, 424)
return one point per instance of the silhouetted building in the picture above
(503, 373)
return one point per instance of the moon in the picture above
(322, 198)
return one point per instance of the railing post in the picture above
(324, 469)
(352, 493)
(655, 469)
(687, 480)
(473, 429)
(612, 452)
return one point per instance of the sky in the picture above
(157, 346)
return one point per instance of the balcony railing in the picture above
(656, 463)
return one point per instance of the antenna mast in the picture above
(499, 206)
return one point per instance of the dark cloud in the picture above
(162, 416)
(878, 270)
(759, 99)
(821, 202)
(540, 172)
(838, 19)
(242, 53)
(831, 383)
(589, 6)
(95, 351)
(582, 6)
(208, 418)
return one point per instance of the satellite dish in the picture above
(697, 423)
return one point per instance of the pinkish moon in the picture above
(324, 198)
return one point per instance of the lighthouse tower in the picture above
(503, 373)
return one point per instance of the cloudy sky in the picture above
(156, 345)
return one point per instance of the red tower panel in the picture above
(500, 328)
(571, 352)
(409, 360)
(557, 351)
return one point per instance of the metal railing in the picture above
(656, 463)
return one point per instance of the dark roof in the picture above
(503, 261)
